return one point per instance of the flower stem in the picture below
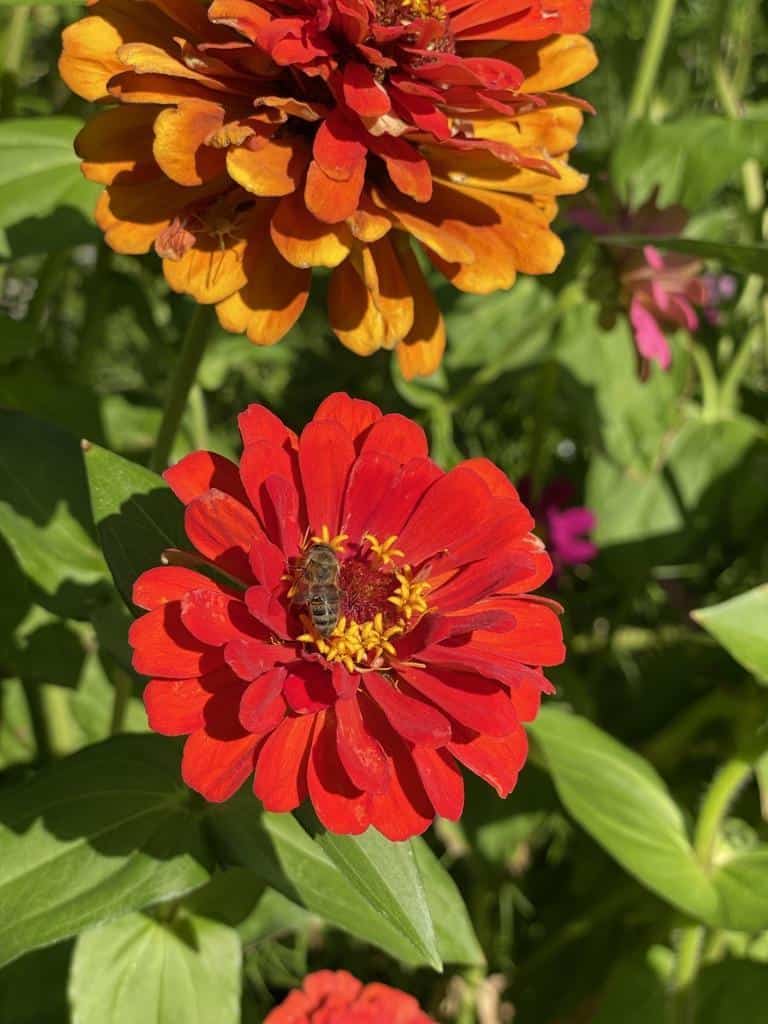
(722, 792)
(650, 61)
(182, 381)
(38, 720)
(15, 39)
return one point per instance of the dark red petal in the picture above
(281, 767)
(259, 461)
(398, 437)
(169, 583)
(410, 717)
(223, 530)
(262, 706)
(360, 753)
(326, 455)
(404, 810)
(413, 481)
(344, 683)
(259, 424)
(475, 702)
(217, 768)
(442, 780)
(339, 805)
(308, 687)
(175, 706)
(163, 646)
(497, 760)
(372, 477)
(455, 500)
(283, 515)
(354, 414)
(267, 562)
(214, 618)
(250, 658)
(198, 472)
(271, 612)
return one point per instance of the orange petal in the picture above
(370, 305)
(269, 167)
(180, 134)
(553, 128)
(551, 63)
(117, 141)
(132, 216)
(89, 57)
(305, 241)
(333, 201)
(421, 352)
(275, 294)
(369, 223)
(146, 59)
(209, 272)
(480, 169)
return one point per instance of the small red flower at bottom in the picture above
(357, 623)
(335, 997)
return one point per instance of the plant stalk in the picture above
(182, 381)
(15, 40)
(650, 60)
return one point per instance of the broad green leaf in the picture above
(456, 939)
(39, 169)
(636, 990)
(742, 885)
(44, 513)
(156, 972)
(745, 259)
(387, 877)
(732, 992)
(136, 514)
(740, 625)
(278, 850)
(17, 339)
(108, 830)
(687, 159)
(620, 800)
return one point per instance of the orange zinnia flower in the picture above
(253, 140)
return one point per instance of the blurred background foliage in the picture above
(545, 381)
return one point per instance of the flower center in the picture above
(403, 12)
(379, 600)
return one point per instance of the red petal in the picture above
(250, 658)
(267, 563)
(217, 768)
(326, 455)
(497, 760)
(308, 687)
(267, 609)
(442, 780)
(163, 646)
(475, 702)
(259, 424)
(223, 530)
(260, 460)
(372, 477)
(215, 619)
(404, 810)
(339, 805)
(282, 514)
(362, 755)
(498, 482)
(354, 414)
(407, 490)
(410, 717)
(175, 706)
(262, 706)
(198, 472)
(281, 768)
(476, 581)
(337, 147)
(170, 583)
(362, 93)
(441, 518)
(398, 437)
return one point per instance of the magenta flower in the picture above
(566, 525)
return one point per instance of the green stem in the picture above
(198, 415)
(650, 60)
(720, 795)
(473, 978)
(710, 390)
(686, 970)
(15, 40)
(39, 724)
(122, 687)
(181, 383)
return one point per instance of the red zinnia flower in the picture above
(434, 659)
(250, 141)
(336, 997)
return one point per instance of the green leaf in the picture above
(387, 877)
(745, 259)
(24, 1000)
(136, 514)
(740, 625)
(40, 170)
(108, 830)
(44, 513)
(140, 969)
(278, 850)
(687, 159)
(732, 992)
(457, 942)
(619, 799)
(742, 885)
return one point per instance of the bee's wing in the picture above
(300, 590)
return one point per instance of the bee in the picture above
(318, 587)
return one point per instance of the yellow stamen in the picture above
(385, 551)
(324, 537)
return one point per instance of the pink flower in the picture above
(566, 525)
